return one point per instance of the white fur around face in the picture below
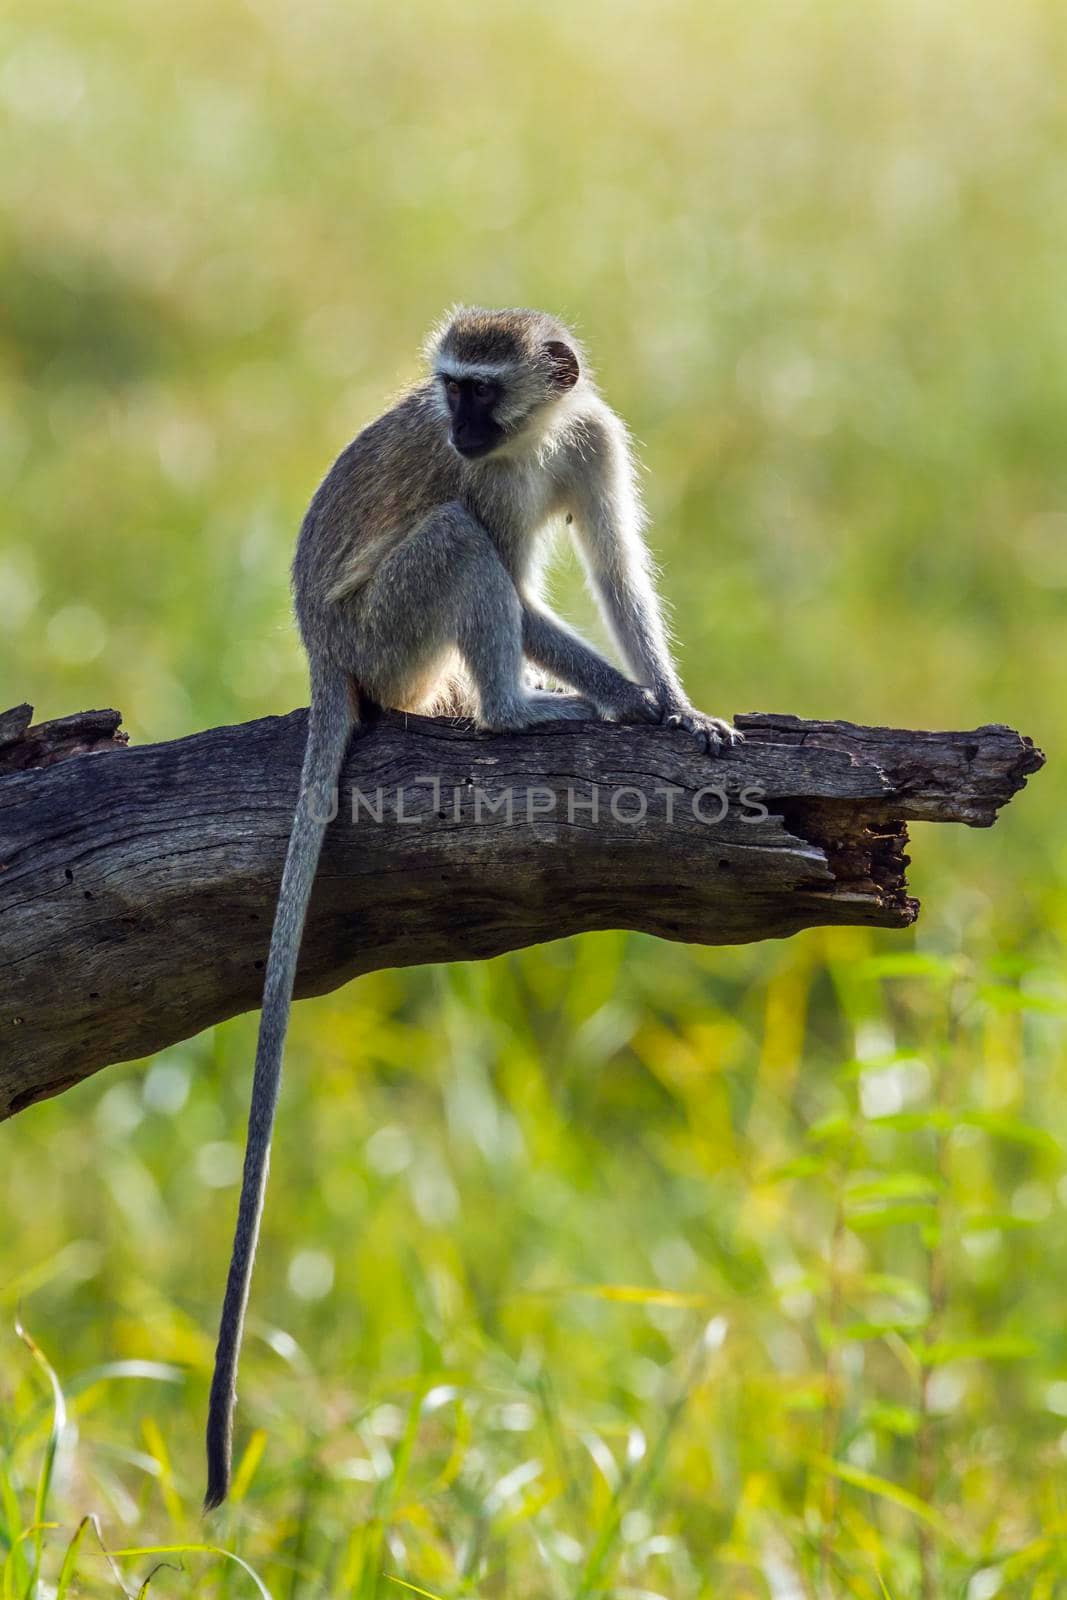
(465, 371)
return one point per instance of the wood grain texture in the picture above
(137, 885)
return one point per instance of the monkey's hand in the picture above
(712, 734)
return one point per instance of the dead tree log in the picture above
(137, 885)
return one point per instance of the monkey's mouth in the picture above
(471, 449)
(471, 452)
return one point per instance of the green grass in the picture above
(615, 1268)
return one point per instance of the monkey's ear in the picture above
(565, 368)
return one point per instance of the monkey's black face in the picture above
(471, 406)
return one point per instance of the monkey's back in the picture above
(394, 473)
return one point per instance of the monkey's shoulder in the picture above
(593, 433)
(395, 470)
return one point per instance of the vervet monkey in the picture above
(420, 551)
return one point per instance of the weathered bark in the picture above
(137, 885)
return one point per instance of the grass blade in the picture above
(195, 1550)
(55, 1434)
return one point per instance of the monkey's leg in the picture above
(443, 588)
(552, 645)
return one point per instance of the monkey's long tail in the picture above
(331, 719)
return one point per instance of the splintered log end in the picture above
(931, 777)
(961, 777)
(24, 744)
(865, 855)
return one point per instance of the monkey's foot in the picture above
(555, 705)
(537, 708)
(634, 703)
(712, 734)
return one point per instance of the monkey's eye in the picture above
(451, 385)
(483, 390)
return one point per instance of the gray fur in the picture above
(412, 562)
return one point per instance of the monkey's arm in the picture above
(608, 524)
(550, 644)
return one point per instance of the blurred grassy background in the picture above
(613, 1268)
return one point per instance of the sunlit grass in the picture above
(645, 1314)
